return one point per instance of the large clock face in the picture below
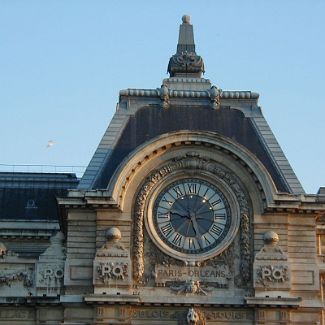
(192, 216)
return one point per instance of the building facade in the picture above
(188, 213)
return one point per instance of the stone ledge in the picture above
(284, 302)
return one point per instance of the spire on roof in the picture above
(186, 63)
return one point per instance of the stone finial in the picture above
(113, 234)
(186, 19)
(186, 63)
(271, 238)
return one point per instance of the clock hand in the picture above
(180, 215)
(195, 226)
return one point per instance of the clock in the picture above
(192, 218)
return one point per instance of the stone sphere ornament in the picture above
(113, 234)
(271, 238)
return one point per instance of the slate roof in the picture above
(191, 103)
(32, 196)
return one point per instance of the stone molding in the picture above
(182, 139)
(188, 93)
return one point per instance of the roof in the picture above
(186, 101)
(32, 196)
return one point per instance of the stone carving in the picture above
(185, 62)
(50, 266)
(56, 250)
(195, 317)
(3, 250)
(50, 276)
(192, 160)
(215, 97)
(111, 262)
(271, 274)
(271, 268)
(216, 276)
(245, 266)
(164, 96)
(271, 250)
(110, 270)
(189, 287)
(8, 277)
(112, 248)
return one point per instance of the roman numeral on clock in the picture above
(215, 202)
(167, 201)
(177, 240)
(219, 216)
(178, 191)
(192, 188)
(192, 243)
(215, 229)
(167, 229)
(163, 215)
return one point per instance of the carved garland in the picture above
(192, 160)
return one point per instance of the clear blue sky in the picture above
(62, 64)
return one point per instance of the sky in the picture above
(63, 63)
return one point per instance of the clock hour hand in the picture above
(180, 215)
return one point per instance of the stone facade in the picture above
(130, 251)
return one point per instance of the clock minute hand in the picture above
(195, 225)
(197, 231)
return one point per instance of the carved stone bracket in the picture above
(191, 161)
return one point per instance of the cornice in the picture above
(189, 93)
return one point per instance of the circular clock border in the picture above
(221, 187)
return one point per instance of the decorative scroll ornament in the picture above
(192, 160)
(185, 63)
